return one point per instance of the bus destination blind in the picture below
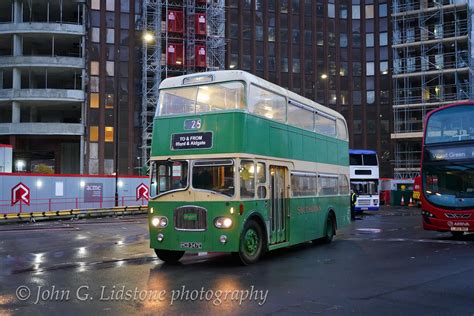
(191, 141)
(451, 153)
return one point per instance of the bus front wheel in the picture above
(169, 256)
(251, 243)
(330, 229)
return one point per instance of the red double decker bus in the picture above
(447, 169)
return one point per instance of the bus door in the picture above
(278, 205)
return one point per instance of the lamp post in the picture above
(116, 122)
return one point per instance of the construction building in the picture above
(79, 81)
(334, 52)
(432, 66)
(70, 74)
(42, 66)
(180, 37)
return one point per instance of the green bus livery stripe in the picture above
(246, 133)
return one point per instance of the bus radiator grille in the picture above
(191, 218)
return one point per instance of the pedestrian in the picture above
(353, 204)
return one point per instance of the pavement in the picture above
(383, 263)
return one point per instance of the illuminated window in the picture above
(94, 84)
(383, 9)
(94, 68)
(110, 5)
(370, 69)
(109, 134)
(95, 35)
(383, 38)
(95, 4)
(370, 97)
(109, 67)
(94, 134)
(110, 36)
(369, 11)
(109, 101)
(94, 100)
(331, 10)
(356, 12)
(369, 40)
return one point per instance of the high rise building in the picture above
(42, 66)
(432, 66)
(70, 76)
(334, 52)
(113, 87)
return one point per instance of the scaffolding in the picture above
(216, 34)
(161, 57)
(431, 67)
(151, 71)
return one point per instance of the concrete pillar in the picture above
(17, 14)
(16, 114)
(17, 45)
(34, 114)
(16, 79)
(82, 155)
(16, 87)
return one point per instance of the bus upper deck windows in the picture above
(201, 99)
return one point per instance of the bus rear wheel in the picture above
(251, 243)
(169, 256)
(330, 229)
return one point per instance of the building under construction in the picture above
(180, 37)
(42, 65)
(432, 66)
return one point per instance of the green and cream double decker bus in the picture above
(241, 165)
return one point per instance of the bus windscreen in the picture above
(450, 125)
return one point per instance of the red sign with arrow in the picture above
(20, 193)
(142, 192)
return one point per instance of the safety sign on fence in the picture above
(21, 194)
(142, 192)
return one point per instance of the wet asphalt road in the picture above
(382, 264)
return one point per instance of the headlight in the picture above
(159, 221)
(223, 222)
(427, 214)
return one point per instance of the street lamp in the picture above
(139, 166)
(148, 37)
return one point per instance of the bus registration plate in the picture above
(459, 229)
(191, 245)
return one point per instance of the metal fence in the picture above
(56, 204)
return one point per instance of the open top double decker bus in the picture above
(364, 177)
(447, 169)
(241, 165)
